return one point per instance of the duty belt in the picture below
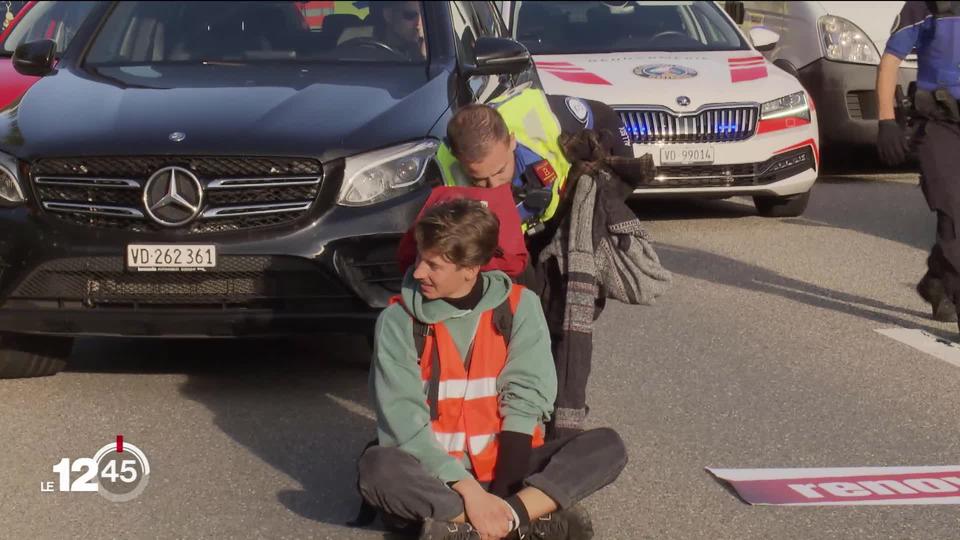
(938, 105)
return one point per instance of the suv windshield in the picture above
(247, 32)
(599, 27)
(48, 20)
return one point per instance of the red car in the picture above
(56, 20)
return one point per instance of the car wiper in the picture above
(222, 63)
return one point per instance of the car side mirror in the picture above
(764, 39)
(736, 11)
(499, 56)
(35, 58)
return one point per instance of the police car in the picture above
(691, 90)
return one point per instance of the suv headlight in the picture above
(10, 192)
(792, 106)
(382, 174)
(845, 42)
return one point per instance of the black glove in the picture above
(513, 463)
(892, 143)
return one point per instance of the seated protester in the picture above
(460, 418)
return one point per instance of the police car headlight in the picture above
(382, 174)
(792, 106)
(843, 41)
(10, 191)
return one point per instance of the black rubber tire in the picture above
(791, 206)
(23, 356)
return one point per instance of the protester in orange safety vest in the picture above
(462, 382)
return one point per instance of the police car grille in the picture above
(725, 124)
(240, 193)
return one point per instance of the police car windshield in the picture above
(599, 27)
(228, 32)
(57, 21)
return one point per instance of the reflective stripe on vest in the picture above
(529, 117)
(468, 403)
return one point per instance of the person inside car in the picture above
(460, 451)
(402, 29)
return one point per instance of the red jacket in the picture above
(514, 256)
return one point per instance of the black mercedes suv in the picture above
(217, 169)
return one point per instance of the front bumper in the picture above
(331, 270)
(846, 100)
(788, 165)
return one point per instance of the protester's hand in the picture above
(891, 143)
(489, 514)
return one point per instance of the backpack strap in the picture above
(420, 332)
(503, 314)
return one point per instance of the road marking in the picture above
(353, 407)
(943, 349)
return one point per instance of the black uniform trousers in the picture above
(939, 153)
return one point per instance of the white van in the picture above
(834, 49)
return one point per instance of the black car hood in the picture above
(327, 111)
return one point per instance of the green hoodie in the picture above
(527, 385)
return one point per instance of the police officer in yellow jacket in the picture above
(523, 148)
(516, 140)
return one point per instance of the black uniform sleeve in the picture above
(906, 29)
(575, 114)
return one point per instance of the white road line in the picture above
(353, 407)
(947, 351)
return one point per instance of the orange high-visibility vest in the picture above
(468, 419)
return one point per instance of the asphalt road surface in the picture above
(763, 354)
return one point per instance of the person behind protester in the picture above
(402, 29)
(933, 30)
(489, 475)
(491, 156)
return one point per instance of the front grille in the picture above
(239, 193)
(722, 124)
(236, 280)
(737, 175)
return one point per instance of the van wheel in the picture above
(24, 356)
(782, 206)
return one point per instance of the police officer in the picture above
(933, 29)
(534, 122)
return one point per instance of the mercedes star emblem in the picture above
(173, 196)
(683, 101)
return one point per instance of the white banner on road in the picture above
(845, 486)
(943, 349)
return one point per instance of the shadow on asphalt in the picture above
(299, 405)
(731, 272)
(893, 211)
(673, 209)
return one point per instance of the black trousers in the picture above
(567, 470)
(939, 153)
